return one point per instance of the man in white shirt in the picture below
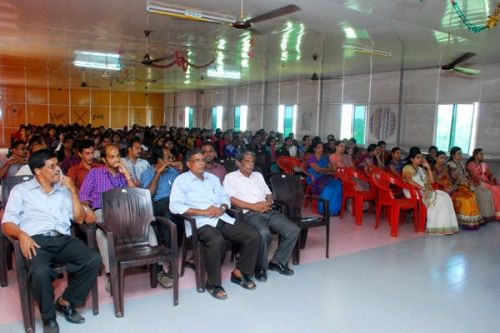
(135, 165)
(200, 194)
(248, 191)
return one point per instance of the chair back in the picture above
(287, 189)
(388, 185)
(229, 164)
(8, 184)
(288, 164)
(127, 212)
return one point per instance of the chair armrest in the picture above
(282, 206)
(192, 222)
(236, 213)
(173, 232)
(326, 205)
(89, 230)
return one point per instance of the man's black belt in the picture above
(52, 233)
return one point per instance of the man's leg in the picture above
(214, 247)
(161, 208)
(260, 223)
(289, 233)
(249, 239)
(41, 275)
(83, 265)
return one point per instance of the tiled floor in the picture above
(371, 283)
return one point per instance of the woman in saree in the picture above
(458, 175)
(322, 181)
(394, 164)
(339, 159)
(441, 217)
(481, 176)
(464, 199)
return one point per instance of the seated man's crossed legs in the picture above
(214, 247)
(288, 232)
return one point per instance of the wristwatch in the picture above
(223, 207)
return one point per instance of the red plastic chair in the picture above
(351, 191)
(386, 185)
(288, 164)
(308, 188)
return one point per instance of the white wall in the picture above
(319, 103)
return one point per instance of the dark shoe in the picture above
(165, 280)
(285, 270)
(69, 313)
(50, 326)
(260, 274)
(243, 281)
(216, 291)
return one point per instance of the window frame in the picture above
(353, 107)
(453, 128)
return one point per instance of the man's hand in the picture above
(261, 206)
(89, 216)
(28, 245)
(161, 165)
(213, 211)
(68, 182)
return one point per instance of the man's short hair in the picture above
(191, 152)
(207, 144)
(106, 147)
(84, 144)
(244, 153)
(37, 159)
(134, 140)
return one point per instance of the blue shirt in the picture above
(188, 191)
(36, 212)
(164, 186)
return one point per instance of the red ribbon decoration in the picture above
(181, 61)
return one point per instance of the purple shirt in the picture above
(217, 170)
(97, 181)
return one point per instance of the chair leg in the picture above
(121, 289)
(198, 259)
(3, 266)
(358, 209)
(303, 238)
(153, 272)
(378, 209)
(184, 255)
(115, 290)
(394, 222)
(296, 254)
(95, 299)
(175, 274)
(328, 239)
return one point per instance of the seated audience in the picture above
(248, 191)
(211, 166)
(39, 214)
(78, 172)
(199, 194)
(134, 164)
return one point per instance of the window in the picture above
(287, 119)
(240, 118)
(456, 126)
(217, 112)
(188, 116)
(353, 122)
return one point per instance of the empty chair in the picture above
(287, 192)
(388, 186)
(127, 215)
(350, 190)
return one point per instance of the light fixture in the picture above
(366, 50)
(97, 60)
(187, 13)
(223, 74)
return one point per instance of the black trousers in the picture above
(161, 208)
(82, 264)
(214, 247)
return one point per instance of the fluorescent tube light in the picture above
(366, 50)
(106, 61)
(224, 74)
(187, 13)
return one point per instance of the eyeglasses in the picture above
(197, 160)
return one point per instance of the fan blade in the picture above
(275, 13)
(467, 71)
(462, 58)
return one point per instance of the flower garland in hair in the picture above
(490, 22)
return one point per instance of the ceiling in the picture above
(38, 40)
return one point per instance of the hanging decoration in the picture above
(382, 123)
(181, 61)
(490, 22)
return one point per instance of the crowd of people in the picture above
(179, 167)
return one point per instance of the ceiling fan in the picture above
(452, 65)
(84, 83)
(205, 16)
(147, 59)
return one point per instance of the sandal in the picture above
(243, 281)
(216, 291)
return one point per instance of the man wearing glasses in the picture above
(200, 194)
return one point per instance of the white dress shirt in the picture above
(135, 169)
(250, 189)
(188, 191)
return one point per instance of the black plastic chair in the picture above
(127, 215)
(229, 164)
(5, 246)
(289, 194)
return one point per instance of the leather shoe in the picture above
(260, 274)
(50, 326)
(284, 270)
(69, 313)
